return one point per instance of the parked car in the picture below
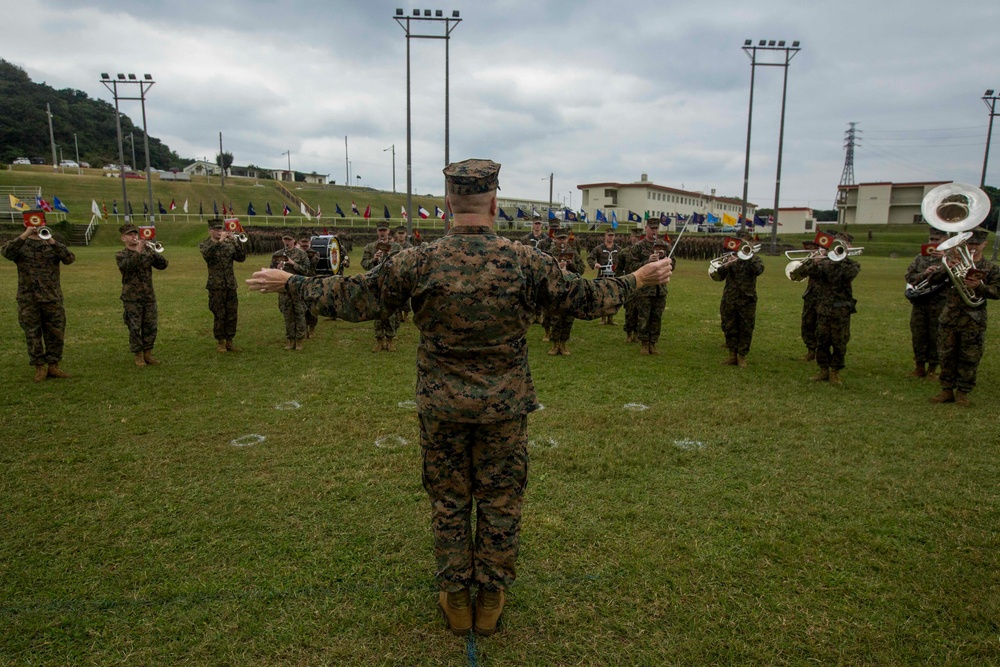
(69, 163)
(22, 160)
(37, 160)
(134, 174)
(85, 165)
(114, 167)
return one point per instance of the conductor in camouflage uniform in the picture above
(835, 304)
(292, 259)
(738, 308)
(375, 253)
(474, 294)
(136, 262)
(40, 309)
(962, 331)
(926, 306)
(220, 250)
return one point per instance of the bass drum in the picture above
(328, 255)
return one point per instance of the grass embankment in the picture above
(743, 517)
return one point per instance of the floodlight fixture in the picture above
(104, 75)
(795, 44)
(748, 42)
(399, 11)
(147, 77)
(771, 43)
(763, 42)
(438, 13)
(121, 76)
(454, 14)
(781, 43)
(131, 77)
(988, 93)
(416, 12)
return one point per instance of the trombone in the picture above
(745, 252)
(956, 208)
(837, 252)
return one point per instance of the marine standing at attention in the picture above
(374, 254)
(474, 295)
(220, 250)
(136, 262)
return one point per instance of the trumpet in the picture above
(155, 246)
(240, 237)
(840, 251)
(44, 233)
(746, 251)
(957, 208)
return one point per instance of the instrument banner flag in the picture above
(33, 218)
(731, 243)
(824, 240)
(147, 233)
(928, 249)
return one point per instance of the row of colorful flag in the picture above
(40, 203)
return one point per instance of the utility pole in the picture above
(52, 139)
(222, 162)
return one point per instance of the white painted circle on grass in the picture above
(689, 445)
(391, 442)
(540, 407)
(407, 405)
(635, 407)
(247, 440)
(288, 405)
(543, 443)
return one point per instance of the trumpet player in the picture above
(962, 331)
(925, 279)
(220, 250)
(136, 262)
(40, 309)
(738, 308)
(835, 304)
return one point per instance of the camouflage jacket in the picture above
(915, 276)
(959, 314)
(741, 280)
(574, 265)
(474, 295)
(302, 265)
(635, 256)
(831, 284)
(530, 239)
(137, 273)
(37, 268)
(604, 256)
(368, 255)
(220, 257)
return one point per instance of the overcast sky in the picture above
(589, 91)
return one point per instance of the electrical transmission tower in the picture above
(847, 177)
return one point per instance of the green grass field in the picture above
(742, 517)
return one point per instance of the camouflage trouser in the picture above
(924, 318)
(560, 327)
(44, 327)
(140, 318)
(961, 349)
(649, 315)
(631, 317)
(738, 321)
(311, 319)
(833, 331)
(224, 305)
(488, 463)
(809, 323)
(294, 312)
(387, 327)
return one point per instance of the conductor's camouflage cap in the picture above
(472, 177)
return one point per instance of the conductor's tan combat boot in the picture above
(946, 396)
(55, 372)
(221, 347)
(962, 398)
(41, 372)
(150, 360)
(457, 610)
(140, 360)
(835, 378)
(489, 606)
(810, 356)
(822, 376)
(730, 360)
(232, 348)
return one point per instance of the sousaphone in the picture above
(956, 208)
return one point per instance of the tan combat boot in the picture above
(810, 356)
(652, 349)
(946, 396)
(545, 338)
(931, 372)
(563, 350)
(730, 360)
(645, 348)
(289, 344)
(379, 345)
(962, 398)
(457, 610)
(140, 360)
(298, 344)
(310, 331)
(221, 347)
(835, 378)
(55, 372)
(41, 372)
(489, 606)
(390, 345)
(919, 371)
(611, 320)
(741, 361)
(554, 350)
(150, 360)
(232, 348)
(822, 376)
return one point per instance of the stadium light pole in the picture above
(990, 99)
(788, 53)
(393, 149)
(144, 84)
(112, 85)
(289, 154)
(76, 145)
(450, 23)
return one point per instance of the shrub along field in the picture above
(266, 508)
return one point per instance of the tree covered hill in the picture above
(24, 129)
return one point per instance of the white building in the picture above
(882, 203)
(644, 195)
(795, 221)
(203, 167)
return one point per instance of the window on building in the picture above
(809, 225)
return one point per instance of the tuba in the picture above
(956, 208)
